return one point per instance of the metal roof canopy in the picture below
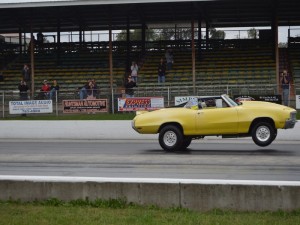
(16, 16)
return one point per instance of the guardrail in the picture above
(166, 91)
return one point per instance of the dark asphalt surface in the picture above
(228, 159)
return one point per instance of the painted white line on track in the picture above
(147, 180)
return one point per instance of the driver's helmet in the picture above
(192, 104)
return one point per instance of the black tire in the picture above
(263, 134)
(186, 142)
(171, 138)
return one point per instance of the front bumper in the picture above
(290, 123)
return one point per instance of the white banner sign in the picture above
(28, 107)
(184, 99)
(297, 101)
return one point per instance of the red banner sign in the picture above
(85, 106)
(142, 103)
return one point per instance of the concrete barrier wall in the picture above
(200, 195)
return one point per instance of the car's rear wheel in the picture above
(171, 138)
(263, 134)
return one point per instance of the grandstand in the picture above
(73, 71)
(233, 62)
(219, 66)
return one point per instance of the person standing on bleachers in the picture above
(83, 91)
(23, 88)
(94, 88)
(53, 89)
(129, 87)
(169, 59)
(285, 85)
(26, 73)
(134, 71)
(161, 71)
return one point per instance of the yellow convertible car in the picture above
(215, 116)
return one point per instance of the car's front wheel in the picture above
(171, 138)
(263, 134)
(186, 142)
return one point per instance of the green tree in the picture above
(175, 34)
(136, 35)
(216, 34)
(252, 33)
(282, 45)
(157, 34)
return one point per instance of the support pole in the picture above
(276, 49)
(128, 44)
(143, 38)
(207, 35)
(20, 42)
(32, 62)
(199, 38)
(111, 64)
(58, 42)
(193, 56)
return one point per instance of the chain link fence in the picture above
(167, 92)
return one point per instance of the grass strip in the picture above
(102, 116)
(119, 212)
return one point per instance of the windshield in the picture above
(229, 100)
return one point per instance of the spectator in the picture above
(169, 59)
(40, 37)
(45, 89)
(83, 91)
(26, 73)
(134, 71)
(94, 88)
(53, 89)
(161, 71)
(23, 88)
(129, 87)
(285, 85)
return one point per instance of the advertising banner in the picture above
(32, 106)
(297, 101)
(266, 98)
(141, 103)
(85, 106)
(184, 99)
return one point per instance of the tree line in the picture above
(176, 34)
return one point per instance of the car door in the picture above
(212, 121)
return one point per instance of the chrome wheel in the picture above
(263, 133)
(170, 138)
